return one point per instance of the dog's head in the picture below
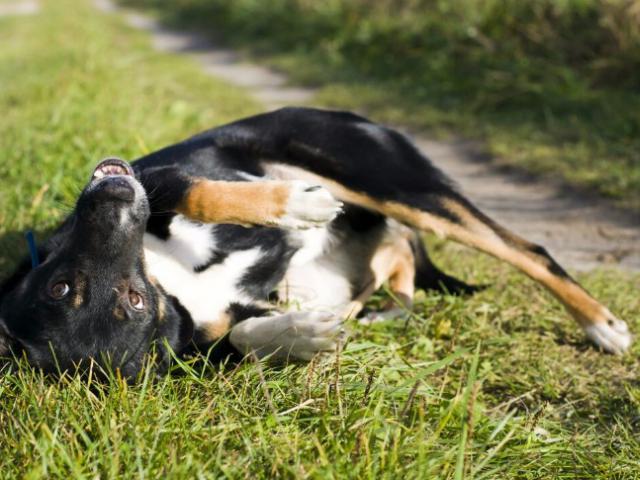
(91, 298)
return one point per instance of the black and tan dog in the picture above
(160, 252)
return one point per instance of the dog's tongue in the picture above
(110, 167)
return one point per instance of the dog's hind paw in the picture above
(294, 335)
(384, 316)
(612, 336)
(308, 206)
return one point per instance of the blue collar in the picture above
(33, 250)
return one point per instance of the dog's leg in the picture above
(292, 204)
(286, 204)
(458, 219)
(354, 266)
(245, 329)
(449, 214)
(393, 263)
(293, 335)
(405, 265)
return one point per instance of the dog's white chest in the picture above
(206, 294)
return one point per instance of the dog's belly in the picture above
(317, 274)
(337, 273)
(316, 278)
(204, 294)
(320, 284)
(327, 271)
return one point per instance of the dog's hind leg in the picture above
(450, 215)
(405, 265)
(456, 218)
(393, 262)
(402, 261)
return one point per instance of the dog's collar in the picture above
(33, 249)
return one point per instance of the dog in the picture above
(181, 249)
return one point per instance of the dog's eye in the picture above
(136, 300)
(59, 290)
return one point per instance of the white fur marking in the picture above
(614, 338)
(189, 242)
(205, 294)
(308, 206)
(314, 243)
(317, 285)
(125, 217)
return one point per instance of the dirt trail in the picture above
(23, 7)
(582, 232)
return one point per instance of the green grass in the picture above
(549, 86)
(403, 400)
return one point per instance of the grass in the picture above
(500, 385)
(548, 86)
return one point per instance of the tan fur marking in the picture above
(357, 304)
(217, 328)
(244, 203)
(78, 298)
(392, 262)
(161, 310)
(402, 279)
(118, 313)
(474, 232)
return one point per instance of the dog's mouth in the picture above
(110, 167)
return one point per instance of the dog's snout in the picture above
(114, 188)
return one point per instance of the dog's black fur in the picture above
(100, 257)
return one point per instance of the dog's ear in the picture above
(6, 342)
(6, 287)
(5, 345)
(11, 282)
(176, 328)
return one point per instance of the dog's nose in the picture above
(115, 188)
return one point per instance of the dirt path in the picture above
(23, 7)
(580, 231)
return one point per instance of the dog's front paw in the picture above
(295, 335)
(612, 335)
(308, 206)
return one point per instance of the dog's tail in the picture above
(430, 277)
